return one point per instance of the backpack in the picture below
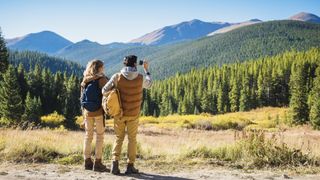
(111, 102)
(91, 96)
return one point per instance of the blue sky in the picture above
(108, 21)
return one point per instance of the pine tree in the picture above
(22, 82)
(185, 106)
(47, 93)
(11, 107)
(244, 95)
(35, 82)
(164, 106)
(72, 105)
(315, 101)
(32, 110)
(234, 96)
(221, 100)
(298, 100)
(3, 55)
(205, 102)
(261, 92)
(59, 90)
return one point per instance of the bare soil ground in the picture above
(55, 171)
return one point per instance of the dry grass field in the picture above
(265, 140)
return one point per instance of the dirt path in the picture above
(54, 171)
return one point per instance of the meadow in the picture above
(258, 139)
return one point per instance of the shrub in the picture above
(71, 159)
(53, 120)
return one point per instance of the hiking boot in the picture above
(131, 169)
(88, 164)
(115, 168)
(98, 166)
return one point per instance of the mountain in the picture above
(235, 26)
(189, 30)
(241, 44)
(307, 17)
(238, 42)
(80, 51)
(245, 43)
(45, 41)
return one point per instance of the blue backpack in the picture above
(91, 98)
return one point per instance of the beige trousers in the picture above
(89, 128)
(120, 126)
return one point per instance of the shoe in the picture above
(115, 168)
(131, 169)
(88, 164)
(98, 166)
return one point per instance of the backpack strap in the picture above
(117, 90)
(117, 80)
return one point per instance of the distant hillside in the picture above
(189, 30)
(250, 42)
(45, 41)
(307, 17)
(86, 50)
(30, 59)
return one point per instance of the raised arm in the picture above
(147, 82)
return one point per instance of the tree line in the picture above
(28, 93)
(289, 79)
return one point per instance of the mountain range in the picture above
(52, 43)
(188, 44)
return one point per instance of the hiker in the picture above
(130, 84)
(93, 114)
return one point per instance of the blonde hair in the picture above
(93, 68)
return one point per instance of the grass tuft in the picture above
(255, 151)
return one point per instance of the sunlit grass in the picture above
(262, 118)
(185, 140)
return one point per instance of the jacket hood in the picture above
(129, 73)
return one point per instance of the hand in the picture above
(145, 65)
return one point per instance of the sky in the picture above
(106, 21)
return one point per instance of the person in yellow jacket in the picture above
(130, 84)
(93, 115)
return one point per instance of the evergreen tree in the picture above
(315, 101)
(72, 105)
(11, 107)
(22, 82)
(35, 82)
(205, 102)
(234, 96)
(164, 109)
(298, 100)
(3, 55)
(59, 90)
(32, 111)
(261, 92)
(47, 93)
(244, 95)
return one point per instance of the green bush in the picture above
(71, 159)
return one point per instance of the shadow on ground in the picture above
(147, 176)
